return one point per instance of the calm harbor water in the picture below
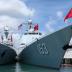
(28, 68)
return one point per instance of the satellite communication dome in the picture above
(6, 28)
(30, 21)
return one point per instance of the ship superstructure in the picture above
(31, 34)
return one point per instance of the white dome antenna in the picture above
(6, 28)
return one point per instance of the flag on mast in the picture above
(69, 15)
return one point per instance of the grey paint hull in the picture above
(47, 51)
(7, 55)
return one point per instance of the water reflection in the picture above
(17, 67)
(29, 68)
(6, 68)
(66, 69)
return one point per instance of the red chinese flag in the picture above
(69, 15)
(36, 27)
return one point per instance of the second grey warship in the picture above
(7, 54)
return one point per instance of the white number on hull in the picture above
(42, 48)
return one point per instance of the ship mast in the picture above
(30, 23)
(32, 29)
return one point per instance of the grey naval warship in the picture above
(7, 54)
(47, 51)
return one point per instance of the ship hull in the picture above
(47, 51)
(7, 55)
